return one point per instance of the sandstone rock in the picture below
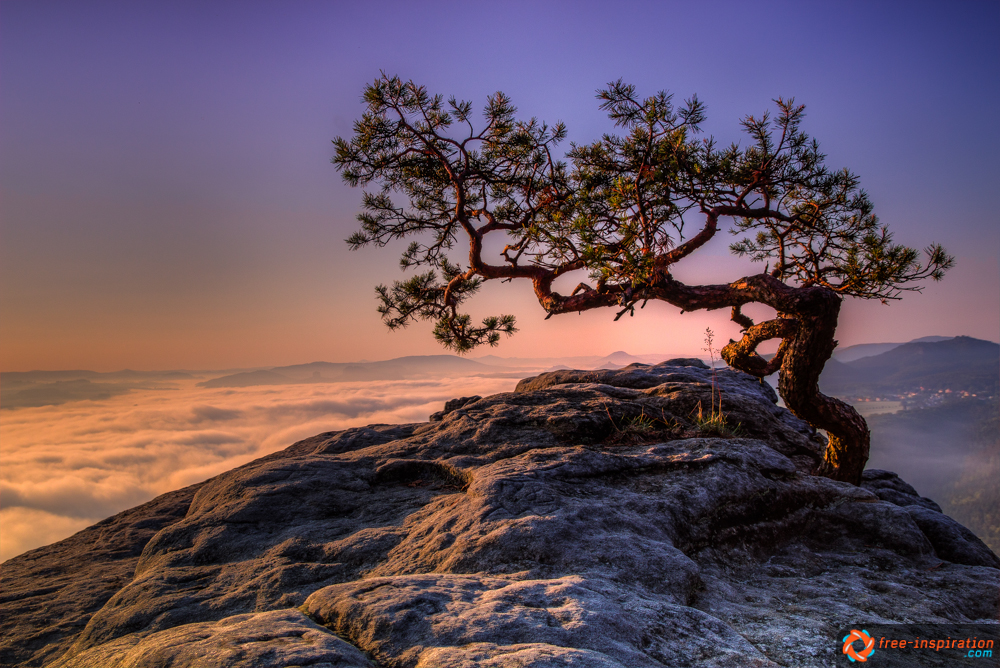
(48, 594)
(453, 405)
(428, 613)
(278, 638)
(583, 520)
(951, 540)
(889, 487)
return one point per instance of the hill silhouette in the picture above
(851, 353)
(400, 368)
(961, 364)
(29, 389)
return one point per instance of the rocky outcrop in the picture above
(587, 519)
(453, 405)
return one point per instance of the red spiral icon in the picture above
(853, 654)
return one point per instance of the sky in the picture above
(167, 198)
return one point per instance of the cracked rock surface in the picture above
(583, 520)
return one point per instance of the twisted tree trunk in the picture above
(805, 354)
(806, 324)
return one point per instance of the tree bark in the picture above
(806, 330)
(806, 353)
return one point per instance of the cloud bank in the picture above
(68, 466)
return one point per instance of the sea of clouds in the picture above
(68, 466)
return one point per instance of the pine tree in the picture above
(620, 212)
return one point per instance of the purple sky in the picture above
(167, 199)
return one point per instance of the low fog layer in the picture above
(68, 466)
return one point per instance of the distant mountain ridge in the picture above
(616, 360)
(939, 362)
(31, 389)
(958, 364)
(400, 368)
(422, 366)
(851, 353)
